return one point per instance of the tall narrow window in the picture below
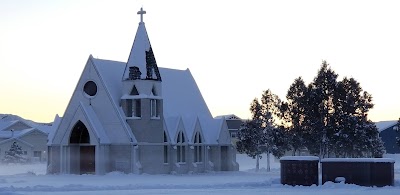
(129, 107)
(198, 148)
(165, 148)
(181, 156)
(137, 108)
(154, 108)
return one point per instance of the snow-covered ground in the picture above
(31, 179)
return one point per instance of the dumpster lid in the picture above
(300, 158)
(387, 160)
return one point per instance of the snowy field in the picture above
(31, 179)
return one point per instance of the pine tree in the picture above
(356, 136)
(14, 155)
(321, 126)
(335, 117)
(294, 114)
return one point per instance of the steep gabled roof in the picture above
(189, 122)
(211, 129)
(171, 126)
(180, 93)
(181, 98)
(141, 55)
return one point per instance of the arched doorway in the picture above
(82, 154)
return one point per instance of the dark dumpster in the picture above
(361, 171)
(299, 170)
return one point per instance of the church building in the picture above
(135, 117)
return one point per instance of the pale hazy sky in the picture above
(234, 49)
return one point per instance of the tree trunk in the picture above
(268, 163)
(257, 163)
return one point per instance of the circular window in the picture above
(90, 88)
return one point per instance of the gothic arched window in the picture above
(180, 148)
(198, 148)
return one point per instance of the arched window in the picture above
(165, 148)
(180, 148)
(79, 134)
(198, 148)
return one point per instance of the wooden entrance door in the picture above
(87, 159)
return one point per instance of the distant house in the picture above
(234, 123)
(387, 131)
(30, 137)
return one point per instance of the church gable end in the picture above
(101, 104)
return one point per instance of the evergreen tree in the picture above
(356, 136)
(251, 139)
(332, 116)
(294, 114)
(14, 155)
(321, 126)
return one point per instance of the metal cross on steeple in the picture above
(141, 12)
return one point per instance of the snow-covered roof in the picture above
(5, 124)
(182, 99)
(181, 96)
(171, 126)
(300, 158)
(388, 160)
(6, 134)
(189, 123)
(18, 134)
(228, 117)
(211, 129)
(382, 125)
(8, 124)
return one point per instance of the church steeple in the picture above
(141, 63)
